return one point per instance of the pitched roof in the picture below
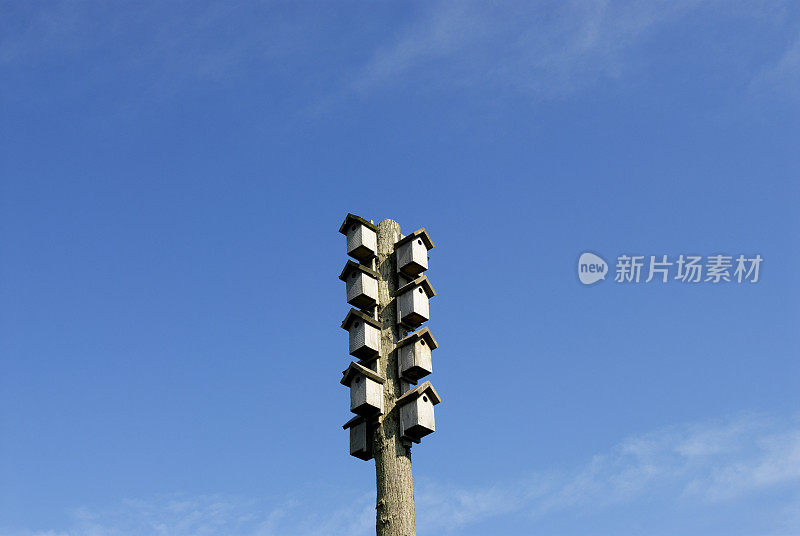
(355, 368)
(352, 265)
(355, 314)
(417, 392)
(420, 281)
(352, 218)
(358, 419)
(422, 234)
(423, 333)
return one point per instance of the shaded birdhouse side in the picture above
(414, 355)
(364, 335)
(412, 253)
(362, 237)
(416, 411)
(361, 285)
(360, 441)
(366, 390)
(412, 302)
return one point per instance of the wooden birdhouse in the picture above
(416, 411)
(362, 237)
(361, 284)
(360, 442)
(366, 390)
(412, 302)
(414, 355)
(412, 253)
(365, 335)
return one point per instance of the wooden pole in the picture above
(395, 498)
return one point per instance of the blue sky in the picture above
(172, 178)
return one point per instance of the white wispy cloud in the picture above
(540, 47)
(553, 49)
(213, 515)
(547, 47)
(781, 77)
(706, 465)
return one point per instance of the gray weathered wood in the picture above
(412, 302)
(416, 411)
(364, 335)
(366, 390)
(414, 355)
(412, 253)
(360, 444)
(361, 237)
(361, 284)
(395, 497)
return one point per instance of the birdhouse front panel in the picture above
(366, 396)
(415, 360)
(362, 242)
(413, 307)
(416, 418)
(362, 289)
(412, 253)
(359, 442)
(412, 258)
(365, 340)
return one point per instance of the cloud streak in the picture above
(543, 47)
(783, 76)
(708, 464)
(554, 49)
(699, 465)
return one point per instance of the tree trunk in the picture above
(395, 500)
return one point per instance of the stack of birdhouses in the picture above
(414, 349)
(414, 405)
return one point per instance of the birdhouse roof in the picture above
(422, 234)
(352, 265)
(420, 281)
(352, 218)
(417, 392)
(423, 333)
(355, 314)
(358, 419)
(355, 369)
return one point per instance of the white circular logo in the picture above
(591, 268)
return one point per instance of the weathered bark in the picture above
(395, 500)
